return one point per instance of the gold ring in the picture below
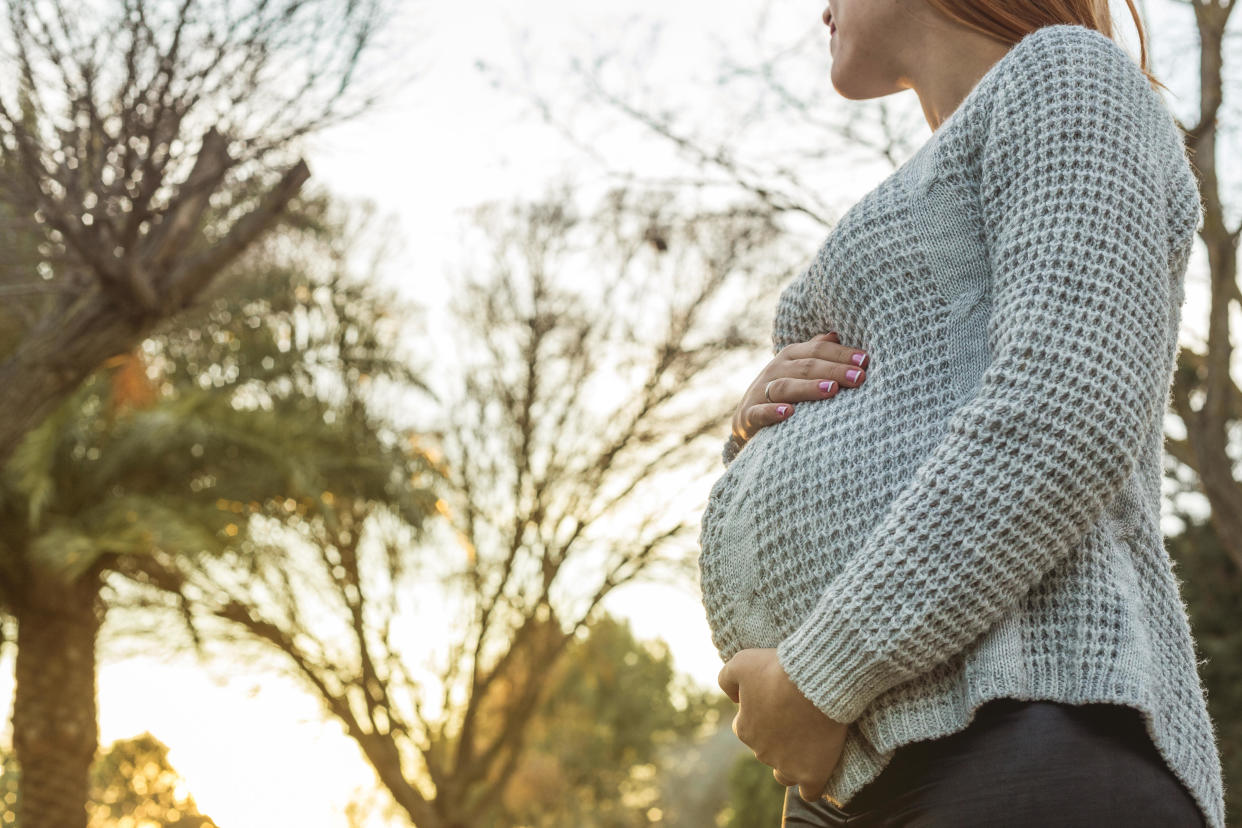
(767, 391)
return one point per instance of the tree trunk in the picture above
(55, 734)
(1208, 429)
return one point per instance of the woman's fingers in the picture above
(826, 383)
(786, 390)
(822, 369)
(813, 370)
(823, 378)
(765, 414)
(825, 347)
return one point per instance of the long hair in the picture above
(1010, 20)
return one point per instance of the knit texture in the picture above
(981, 517)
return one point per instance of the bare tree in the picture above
(144, 146)
(757, 127)
(1205, 392)
(580, 399)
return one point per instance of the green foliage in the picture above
(253, 401)
(1212, 589)
(255, 404)
(132, 784)
(134, 781)
(10, 796)
(624, 685)
(756, 799)
(597, 748)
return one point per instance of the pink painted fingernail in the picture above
(826, 386)
(781, 409)
(853, 374)
(858, 359)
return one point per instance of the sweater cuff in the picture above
(825, 662)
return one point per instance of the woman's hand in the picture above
(783, 728)
(811, 370)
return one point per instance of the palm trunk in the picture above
(55, 733)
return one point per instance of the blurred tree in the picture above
(1212, 587)
(756, 799)
(694, 776)
(567, 408)
(597, 744)
(144, 145)
(132, 786)
(130, 122)
(751, 127)
(1206, 396)
(244, 407)
(10, 789)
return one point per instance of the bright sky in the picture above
(255, 750)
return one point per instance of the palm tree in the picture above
(247, 407)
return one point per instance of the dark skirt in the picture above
(1019, 764)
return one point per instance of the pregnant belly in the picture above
(803, 495)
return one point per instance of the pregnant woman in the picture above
(933, 566)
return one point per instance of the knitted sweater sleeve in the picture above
(1073, 173)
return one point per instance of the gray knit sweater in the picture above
(981, 517)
